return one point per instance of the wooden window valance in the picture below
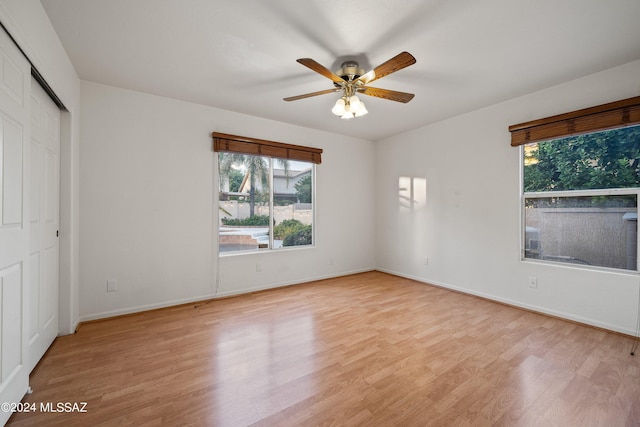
(260, 147)
(607, 116)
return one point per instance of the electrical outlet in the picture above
(112, 285)
(258, 267)
(533, 282)
(331, 261)
(425, 261)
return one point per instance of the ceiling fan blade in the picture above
(398, 62)
(310, 63)
(309, 95)
(387, 94)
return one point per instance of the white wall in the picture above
(468, 223)
(148, 212)
(147, 183)
(29, 25)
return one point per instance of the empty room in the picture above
(278, 213)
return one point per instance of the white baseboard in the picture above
(171, 303)
(291, 283)
(534, 308)
(141, 308)
(537, 309)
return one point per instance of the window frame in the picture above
(225, 143)
(526, 195)
(613, 115)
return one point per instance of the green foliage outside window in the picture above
(293, 233)
(600, 160)
(254, 221)
(235, 180)
(303, 189)
(300, 237)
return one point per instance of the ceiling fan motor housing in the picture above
(350, 70)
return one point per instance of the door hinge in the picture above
(57, 233)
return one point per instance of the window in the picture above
(581, 187)
(265, 201)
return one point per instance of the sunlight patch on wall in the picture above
(412, 193)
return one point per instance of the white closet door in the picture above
(15, 77)
(44, 192)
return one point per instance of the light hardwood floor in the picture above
(369, 349)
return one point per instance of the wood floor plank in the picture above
(361, 350)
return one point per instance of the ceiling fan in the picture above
(350, 79)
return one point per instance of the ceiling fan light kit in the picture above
(349, 107)
(350, 79)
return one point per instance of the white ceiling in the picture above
(240, 55)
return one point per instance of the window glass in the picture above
(581, 199)
(590, 230)
(605, 159)
(265, 203)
